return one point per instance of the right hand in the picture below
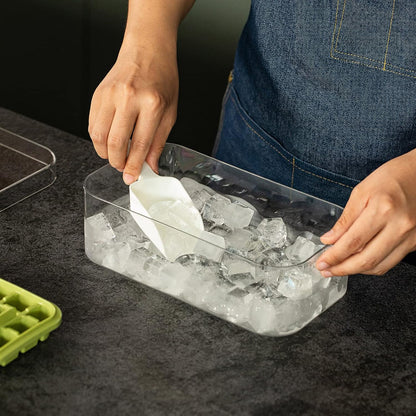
(137, 99)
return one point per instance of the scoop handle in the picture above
(147, 172)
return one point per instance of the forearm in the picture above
(134, 107)
(153, 23)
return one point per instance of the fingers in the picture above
(100, 123)
(118, 137)
(159, 141)
(353, 241)
(379, 256)
(390, 261)
(148, 123)
(143, 136)
(356, 204)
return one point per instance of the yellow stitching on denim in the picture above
(281, 154)
(335, 29)
(293, 172)
(388, 37)
(340, 24)
(334, 49)
(373, 60)
(372, 66)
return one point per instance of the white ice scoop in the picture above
(164, 199)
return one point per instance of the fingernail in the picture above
(128, 179)
(330, 233)
(322, 265)
(326, 273)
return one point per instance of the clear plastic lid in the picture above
(26, 168)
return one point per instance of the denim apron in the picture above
(322, 92)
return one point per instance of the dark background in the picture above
(55, 53)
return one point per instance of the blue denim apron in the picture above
(323, 92)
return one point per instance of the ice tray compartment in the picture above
(25, 168)
(258, 294)
(24, 320)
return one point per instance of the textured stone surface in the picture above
(126, 349)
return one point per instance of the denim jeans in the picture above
(323, 92)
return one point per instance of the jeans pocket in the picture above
(376, 34)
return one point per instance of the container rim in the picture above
(170, 144)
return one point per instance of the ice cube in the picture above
(273, 232)
(199, 198)
(210, 246)
(242, 240)
(236, 266)
(213, 210)
(199, 193)
(262, 316)
(191, 186)
(217, 302)
(317, 278)
(264, 290)
(115, 215)
(267, 274)
(154, 264)
(241, 280)
(202, 267)
(237, 306)
(116, 258)
(135, 263)
(300, 250)
(199, 292)
(295, 284)
(237, 215)
(221, 230)
(130, 232)
(174, 277)
(273, 257)
(289, 315)
(98, 229)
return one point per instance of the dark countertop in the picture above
(124, 348)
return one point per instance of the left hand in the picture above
(378, 225)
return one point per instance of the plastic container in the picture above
(25, 319)
(235, 269)
(25, 168)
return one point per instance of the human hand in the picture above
(137, 99)
(378, 225)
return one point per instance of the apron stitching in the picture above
(335, 28)
(340, 24)
(388, 37)
(373, 60)
(372, 66)
(334, 45)
(281, 154)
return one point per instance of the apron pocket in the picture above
(379, 35)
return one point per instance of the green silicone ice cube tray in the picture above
(25, 318)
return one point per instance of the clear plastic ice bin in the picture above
(269, 290)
